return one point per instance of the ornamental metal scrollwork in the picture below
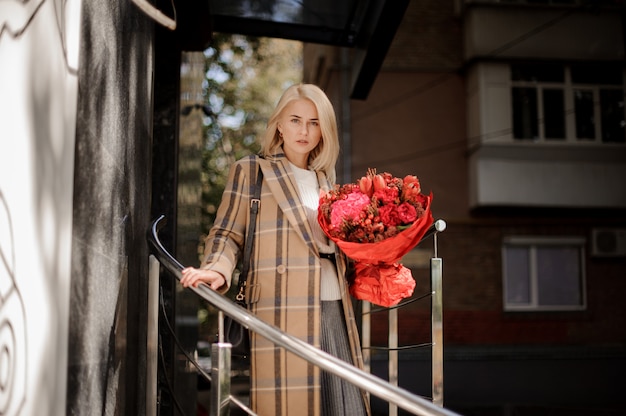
(12, 323)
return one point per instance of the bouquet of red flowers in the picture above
(376, 221)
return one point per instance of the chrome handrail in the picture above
(366, 381)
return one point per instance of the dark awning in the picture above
(367, 26)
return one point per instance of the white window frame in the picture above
(568, 87)
(526, 2)
(532, 243)
(539, 87)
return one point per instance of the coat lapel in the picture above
(282, 184)
(325, 185)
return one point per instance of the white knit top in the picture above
(309, 190)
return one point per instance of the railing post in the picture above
(152, 336)
(366, 329)
(220, 373)
(436, 265)
(393, 355)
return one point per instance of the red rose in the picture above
(407, 213)
(389, 215)
(386, 195)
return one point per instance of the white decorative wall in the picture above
(39, 44)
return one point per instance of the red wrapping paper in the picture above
(382, 284)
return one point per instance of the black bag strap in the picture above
(247, 251)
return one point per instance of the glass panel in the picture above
(525, 113)
(583, 107)
(539, 1)
(545, 2)
(590, 73)
(517, 276)
(331, 14)
(554, 113)
(558, 276)
(538, 72)
(612, 110)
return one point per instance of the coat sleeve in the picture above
(224, 243)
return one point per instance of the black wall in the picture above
(112, 202)
(125, 177)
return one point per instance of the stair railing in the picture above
(220, 371)
(436, 326)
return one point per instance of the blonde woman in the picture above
(297, 277)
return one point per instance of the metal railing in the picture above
(436, 325)
(220, 371)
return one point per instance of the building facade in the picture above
(512, 114)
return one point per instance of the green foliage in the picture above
(244, 78)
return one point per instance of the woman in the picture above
(297, 277)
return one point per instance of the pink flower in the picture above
(349, 208)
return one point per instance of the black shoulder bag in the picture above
(235, 333)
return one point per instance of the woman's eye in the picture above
(295, 120)
(315, 123)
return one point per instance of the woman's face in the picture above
(300, 129)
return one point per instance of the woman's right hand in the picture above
(193, 277)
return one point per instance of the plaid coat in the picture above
(284, 282)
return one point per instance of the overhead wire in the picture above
(445, 77)
(441, 79)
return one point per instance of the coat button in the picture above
(281, 269)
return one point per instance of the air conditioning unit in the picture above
(608, 242)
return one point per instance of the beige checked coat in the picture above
(284, 282)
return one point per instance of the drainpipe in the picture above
(346, 145)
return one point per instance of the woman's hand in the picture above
(193, 277)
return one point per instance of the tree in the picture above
(245, 76)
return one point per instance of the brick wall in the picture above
(472, 293)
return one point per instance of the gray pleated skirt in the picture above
(339, 397)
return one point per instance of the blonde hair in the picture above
(325, 155)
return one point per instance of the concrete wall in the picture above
(542, 33)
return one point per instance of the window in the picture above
(574, 103)
(543, 273)
(559, 3)
(530, 2)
